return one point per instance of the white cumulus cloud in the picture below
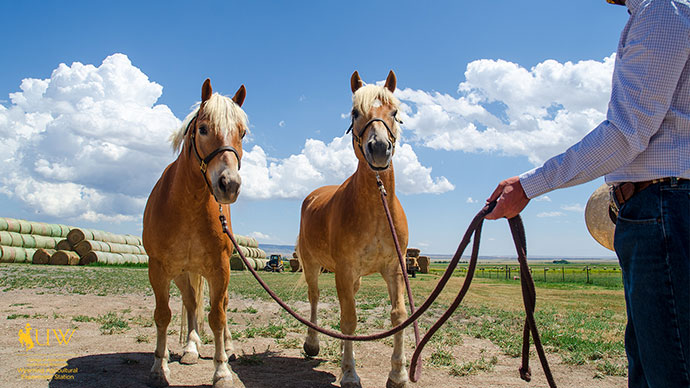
(87, 143)
(506, 108)
(322, 164)
(550, 214)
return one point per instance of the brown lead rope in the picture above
(403, 265)
(527, 283)
(528, 296)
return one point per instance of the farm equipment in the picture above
(411, 262)
(275, 264)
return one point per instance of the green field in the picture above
(582, 322)
(600, 273)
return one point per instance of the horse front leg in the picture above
(222, 377)
(311, 275)
(227, 336)
(345, 283)
(160, 372)
(191, 288)
(397, 378)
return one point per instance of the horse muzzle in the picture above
(378, 152)
(226, 186)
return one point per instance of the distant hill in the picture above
(273, 249)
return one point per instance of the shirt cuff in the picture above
(534, 184)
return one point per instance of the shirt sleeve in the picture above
(648, 66)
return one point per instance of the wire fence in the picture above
(600, 275)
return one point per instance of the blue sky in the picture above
(490, 90)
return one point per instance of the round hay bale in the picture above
(64, 230)
(64, 245)
(40, 228)
(132, 240)
(64, 258)
(236, 263)
(42, 256)
(423, 262)
(15, 254)
(28, 241)
(12, 225)
(17, 240)
(24, 227)
(3, 223)
(6, 238)
(45, 242)
(142, 251)
(55, 230)
(28, 256)
(91, 257)
(7, 254)
(412, 252)
(77, 235)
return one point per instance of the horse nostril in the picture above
(223, 183)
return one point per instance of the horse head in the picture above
(374, 121)
(215, 137)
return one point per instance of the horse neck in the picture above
(364, 182)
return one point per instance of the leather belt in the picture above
(622, 192)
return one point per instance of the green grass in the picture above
(111, 323)
(583, 323)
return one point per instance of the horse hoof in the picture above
(311, 350)
(189, 358)
(158, 380)
(350, 385)
(224, 383)
(391, 384)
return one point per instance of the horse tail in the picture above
(196, 281)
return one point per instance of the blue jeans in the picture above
(652, 241)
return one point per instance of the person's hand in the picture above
(511, 199)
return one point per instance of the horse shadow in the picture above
(131, 370)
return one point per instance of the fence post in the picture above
(563, 273)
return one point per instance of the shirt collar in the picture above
(633, 5)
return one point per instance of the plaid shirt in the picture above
(646, 134)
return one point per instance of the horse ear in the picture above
(240, 95)
(355, 82)
(391, 81)
(206, 90)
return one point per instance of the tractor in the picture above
(275, 264)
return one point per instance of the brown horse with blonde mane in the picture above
(344, 228)
(182, 234)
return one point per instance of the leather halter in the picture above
(358, 138)
(203, 163)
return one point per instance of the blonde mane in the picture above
(221, 110)
(367, 96)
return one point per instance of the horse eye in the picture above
(203, 130)
(355, 113)
(395, 114)
(243, 134)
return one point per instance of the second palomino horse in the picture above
(344, 228)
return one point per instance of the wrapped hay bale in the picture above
(112, 258)
(42, 256)
(123, 248)
(85, 246)
(24, 227)
(236, 263)
(64, 245)
(423, 262)
(132, 240)
(15, 254)
(64, 258)
(10, 225)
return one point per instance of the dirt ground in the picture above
(93, 359)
